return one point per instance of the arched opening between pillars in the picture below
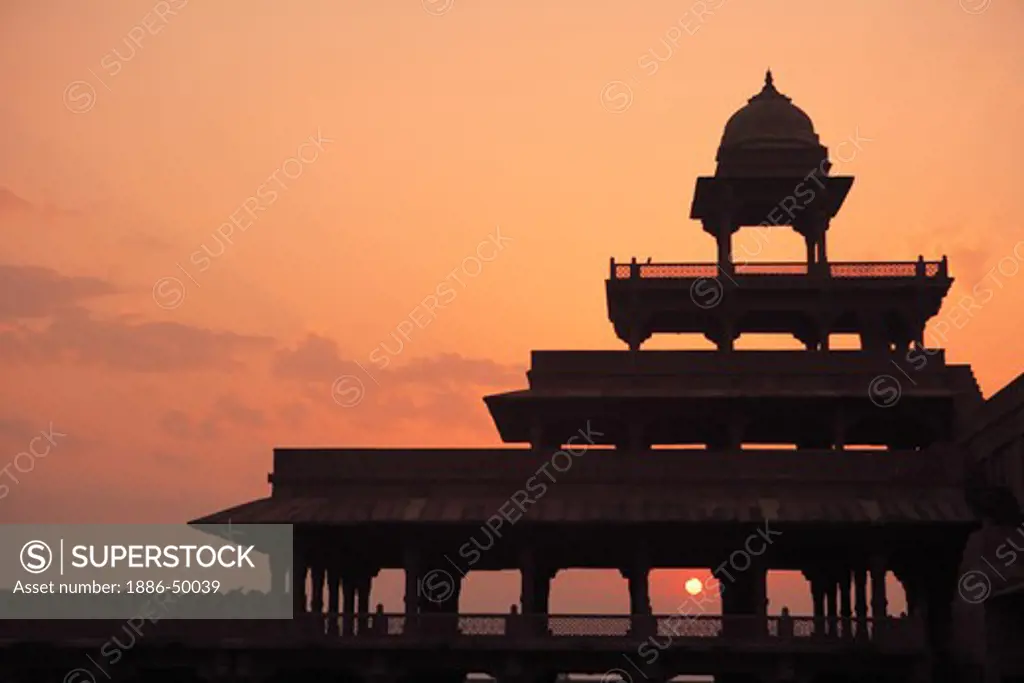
(768, 342)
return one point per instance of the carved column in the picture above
(333, 589)
(832, 606)
(316, 599)
(759, 572)
(740, 595)
(860, 579)
(535, 591)
(936, 605)
(412, 587)
(727, 340)
(879, 603)
(638, 579)
(639, 590)
(818, 600)
(348, 596)
(912, 589)
(363, 588)
(299, 571)
(723, 238)
(845, 611)
(527, 583)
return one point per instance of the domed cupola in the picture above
(770, 136)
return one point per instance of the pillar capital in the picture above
(639, 562)
(813, 574)
(530, 561)
(357, 573)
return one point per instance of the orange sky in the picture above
(133, 130)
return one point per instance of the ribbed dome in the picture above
(769, 120)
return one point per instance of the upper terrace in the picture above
(903, 399)
(886, 303)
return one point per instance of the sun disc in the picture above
(694, 586)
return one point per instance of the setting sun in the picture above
(650, 241)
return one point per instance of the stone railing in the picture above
(515, 630)
(866, 269)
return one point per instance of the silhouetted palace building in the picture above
(845, 465)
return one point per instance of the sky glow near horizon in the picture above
(212, 213)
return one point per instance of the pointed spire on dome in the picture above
(768, 91)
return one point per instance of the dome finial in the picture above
(768, 80)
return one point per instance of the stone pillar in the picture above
(818, 600)
(412, 587)
(639, 591)
(822, 321)
(333, 589)
(637, 336)
(740, 597)
(729, 334)
(845, 610)
(723, 238)
(535, 592)
(363, 588)
(316, 599)
(527, 583)
(832, 606)
(912, 589)
(879, 603)
(727, 593)
(638, 579)
(860, 579)
(939, 590)
(759, 573)
(348, 593)
(809, 239)
(544, 593)
(299, 571)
